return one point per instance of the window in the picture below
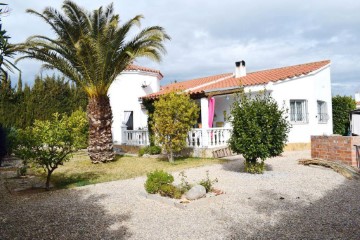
(298, 111)
(322, 112)
(129, 119)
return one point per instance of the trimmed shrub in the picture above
(171, 191)
(152, 150)
(156, 179)
(260, 129)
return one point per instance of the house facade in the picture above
(124, 94)
(305, 90)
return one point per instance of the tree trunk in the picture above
(171, 157)
(47, 185)
(100, 137)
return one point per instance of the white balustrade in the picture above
(197, 137)
(137, 137)
(218, 137)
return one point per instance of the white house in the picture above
(124, 94)
(305, 90)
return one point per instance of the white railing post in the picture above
(123, 134)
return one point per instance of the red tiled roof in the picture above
(228, 81)
(187, 84)
(133, 67)
(266, 76)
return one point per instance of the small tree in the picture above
(174, 115)
(80, 128)
(260, 129)
(48, 144)
(341, 106)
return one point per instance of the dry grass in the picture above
(79, 171)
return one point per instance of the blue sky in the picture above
(209, 36)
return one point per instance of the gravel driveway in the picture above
(289, 201)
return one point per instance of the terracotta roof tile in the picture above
(133, 67)
(223, 81)
(187, 84)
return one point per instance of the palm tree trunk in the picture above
(100, 138)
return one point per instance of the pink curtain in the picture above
(211, 111)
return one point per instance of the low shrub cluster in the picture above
(152, 150)
(160, 182)
(207, 183)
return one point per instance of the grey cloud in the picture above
(209, 36)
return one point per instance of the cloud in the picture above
(209, 36)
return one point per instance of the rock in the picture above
(196, 192)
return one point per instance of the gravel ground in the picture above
(289, 201)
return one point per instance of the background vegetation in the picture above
(20, 106)
(341, 106)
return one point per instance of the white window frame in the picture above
(322, 113)
(299, 111)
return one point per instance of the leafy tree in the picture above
(48, 144)
(341, 106)
(175, 113)
(80, 128)
(259, 129)
(92, 49)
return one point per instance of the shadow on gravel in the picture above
(238, 166)
(59, 215)
(335, 216)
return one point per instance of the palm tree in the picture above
(7, 50)
(92, 49)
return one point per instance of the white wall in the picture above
(124, 95)
(316, 86)
(312, 88)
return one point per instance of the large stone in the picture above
(196, 192)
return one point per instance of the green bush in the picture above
(257, 167)
(341, 106)
(207, 183)
(260, 127)
(141, 151)
(152, 150)
(168, 190)
(156, 179)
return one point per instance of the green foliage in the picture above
(91, 47)
(184, 184)
(19, 107)
(7, 50)
(207, 183)
(152, 150)
(341, 106)
(156, 179)
(175, 113)
(47, 144)
(260, 128)
(80, 128)
(254, 167)
(171, 191)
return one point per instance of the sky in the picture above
(208, 37)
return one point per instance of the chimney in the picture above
(240, 69)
